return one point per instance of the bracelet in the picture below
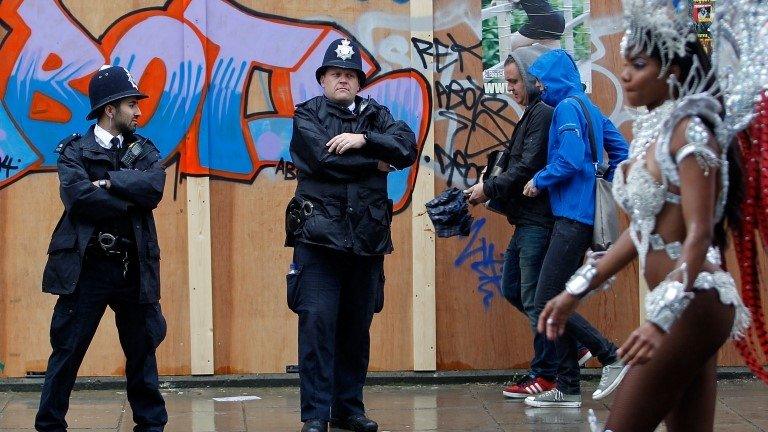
(578, 284)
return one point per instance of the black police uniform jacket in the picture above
(133, 194)
(348, 193)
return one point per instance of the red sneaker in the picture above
(584, 356)
(529, 387)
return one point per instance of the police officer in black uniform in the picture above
(338, 223)
(104, 252)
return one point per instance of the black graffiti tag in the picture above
(288, 169)
(472, 111)
(457, 164)
(445, 55)
(6, 163)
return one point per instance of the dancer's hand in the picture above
(555, 314)
(641, 344)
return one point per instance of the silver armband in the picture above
(665, 304)
(578, 284)
(697, 135)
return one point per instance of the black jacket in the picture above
(527, 153)
(133, 195)
(351, 211)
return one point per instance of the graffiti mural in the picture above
(190, 57)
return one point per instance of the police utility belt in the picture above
(110, 245)
(297, 213)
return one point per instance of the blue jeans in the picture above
(568, 244)
(522, 265)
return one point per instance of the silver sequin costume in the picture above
(740, 57)
(740, 65)
(643, 197)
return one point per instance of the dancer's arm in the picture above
(555, 314)
(697, 165)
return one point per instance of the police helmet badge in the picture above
(130, 79)
(344, 50)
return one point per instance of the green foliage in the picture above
(490, 39)
(490, 43)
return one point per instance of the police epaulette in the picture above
(67, 141)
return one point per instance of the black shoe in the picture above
(315, 426)
(357, 423)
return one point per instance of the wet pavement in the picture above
(742, 406)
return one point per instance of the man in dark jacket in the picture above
(104, 252)
(339, 226)
(531, 216)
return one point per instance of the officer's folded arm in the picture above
(308, 143)
(398, 150)
(143, 188)
(395, 144)
(81, 197)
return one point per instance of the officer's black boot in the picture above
(357, 423)
(315, 426)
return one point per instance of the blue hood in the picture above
(557, 71)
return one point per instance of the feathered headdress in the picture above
(740, 59)
(662, 24)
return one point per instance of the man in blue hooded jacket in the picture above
(569, 178)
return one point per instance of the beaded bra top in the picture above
(641, 195)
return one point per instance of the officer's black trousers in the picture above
(335, 294)
(75, 318)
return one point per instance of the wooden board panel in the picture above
(200, 279)
(28, 220)
(391, 331)
(423, 233)
(173, 355)
(615, 313)
(477, 328)
(250, 262)
(95, 17)
(253, 329)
